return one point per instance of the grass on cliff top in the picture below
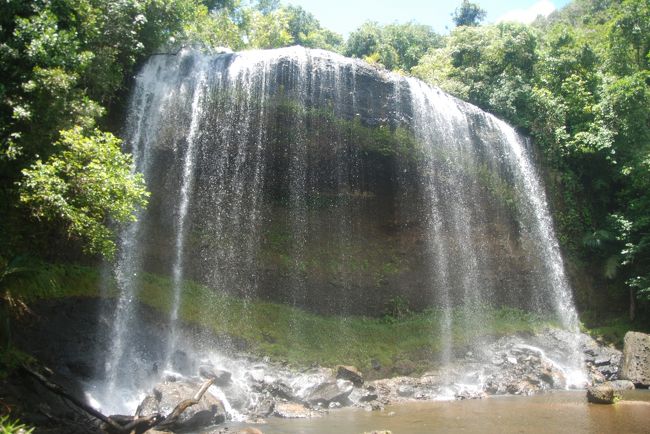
(287, 333)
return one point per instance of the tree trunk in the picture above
(5, 324)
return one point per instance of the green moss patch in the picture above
(291, 334)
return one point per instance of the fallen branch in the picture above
(184, 405)
(58, 390)
(131, 424)
(119, 424)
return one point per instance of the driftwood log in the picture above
(120, 424)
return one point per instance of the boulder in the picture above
(330, 391)
(602, 394)
(165, 396)
(279, 389)
(291, 410)
(238, 395)
(362, 395)
(602, 362)
(221, 377)
(621, 385)
(349, 373)
(405, 391)
(264, 407)
(548, 373)
(522, 387)
(636, 358)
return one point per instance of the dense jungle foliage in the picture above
(577, 82)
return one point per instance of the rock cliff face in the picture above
(305, 177)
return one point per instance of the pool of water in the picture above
(560, 412)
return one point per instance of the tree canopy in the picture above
(395, 46)
(468, 14)
(577, 82)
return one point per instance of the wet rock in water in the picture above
(366, 394)
(166, 396)
(248, 430)
(279, 390)
(636, 358)
(350, 373)
(238, 395)
(551, 375)
(264, 408)
(523, 387)
(602, 394)
(221, 377)
(621, 385)
(330, 391)
(405, 391)
(292, 410)
(602, 362)
(469, 394)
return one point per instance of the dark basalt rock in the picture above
(602, 394)
(350, 373)
(330, 391)
(221, 377)
(322, 136)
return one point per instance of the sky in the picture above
(345, 16)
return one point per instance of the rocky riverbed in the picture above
(67, 337)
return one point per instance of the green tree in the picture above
(307, 31)
(64, 64)
(364, 41)
(577, 82)
(395, 46)
(267, 30)
(86, 185)
(491, 67)
(267, 7)
(630, 37)
(468, 14)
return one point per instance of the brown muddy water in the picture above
(560, 412)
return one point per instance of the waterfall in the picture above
(310, 179)
(156, 88)
(186, 186)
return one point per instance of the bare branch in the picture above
(184, 405)
(55, 388)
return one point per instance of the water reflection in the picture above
(561, 412)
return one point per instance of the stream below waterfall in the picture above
(557, 412)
